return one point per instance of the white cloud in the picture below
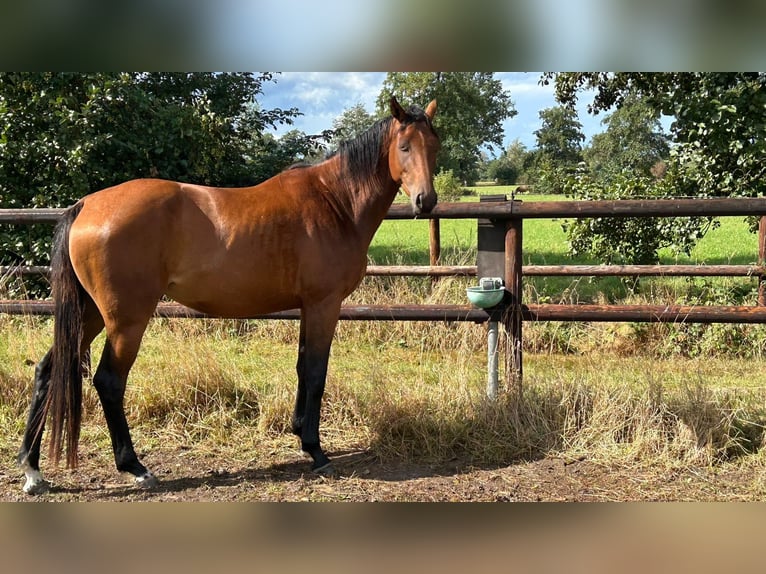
(320, 91)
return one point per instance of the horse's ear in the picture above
(397, 110)
(431, 110)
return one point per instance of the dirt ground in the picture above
(188, 476)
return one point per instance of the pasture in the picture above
(607, 411)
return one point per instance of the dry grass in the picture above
(415, 391)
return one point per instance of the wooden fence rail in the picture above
(508, 216)
(505, 210)
(526, 270)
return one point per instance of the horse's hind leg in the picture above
(110, 381)
(29, 454)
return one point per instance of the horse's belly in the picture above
(224, 299)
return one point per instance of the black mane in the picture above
(361, 154)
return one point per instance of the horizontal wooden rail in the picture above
(30, 215)
(645, 270)
(466, 313)
(372, 270)
(645, 313)
(528, 270)
(713, 207)
(421, 270)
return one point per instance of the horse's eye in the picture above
(404, 147)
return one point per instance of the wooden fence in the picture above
(501, 255)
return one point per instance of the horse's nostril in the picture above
(419, 201)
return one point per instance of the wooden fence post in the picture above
(512, 319)
(762, 260)
(434, 242)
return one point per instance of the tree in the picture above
(268, 155)
(718, 140)
(633, 142)
(559, 147)
(628, 240)
(512, 164)
(560, 137)
(619, 164)
(472, 108)
(64, 135)
(352, 122)
(719, 132)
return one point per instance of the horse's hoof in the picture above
(326, 471)
(147, 481)
(35, 486)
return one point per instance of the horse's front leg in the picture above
(318, 325)
(300, 395)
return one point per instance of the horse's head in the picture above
(412, 154)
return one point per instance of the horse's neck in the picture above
(366, 202)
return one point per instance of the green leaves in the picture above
(629, 240)
(559, 148)
(448, 187)
(719, 132)
(718, 142)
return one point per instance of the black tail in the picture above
(64, 402)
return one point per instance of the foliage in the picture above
(559, 148)
(268, 155)
(633, 142)
(629, 240)
(352, 122)
(619, 165)
(504, 172)
(560, 137)
(718, 135)
(448, 187)
(512, 164)
(472, 108)
(719, 130)
(64, 135)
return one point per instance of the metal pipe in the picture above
(492, 348)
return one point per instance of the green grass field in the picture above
(406, 242)
(544, 241)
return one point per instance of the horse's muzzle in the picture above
(424, 203)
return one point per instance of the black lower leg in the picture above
(320, 459)
(300, 396)
(317, 328)
(111, 392)
(29, 453)
(314, 389)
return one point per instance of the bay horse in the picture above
(297, 240)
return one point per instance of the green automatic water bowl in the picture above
(487, 294)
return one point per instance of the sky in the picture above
(323, 96)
